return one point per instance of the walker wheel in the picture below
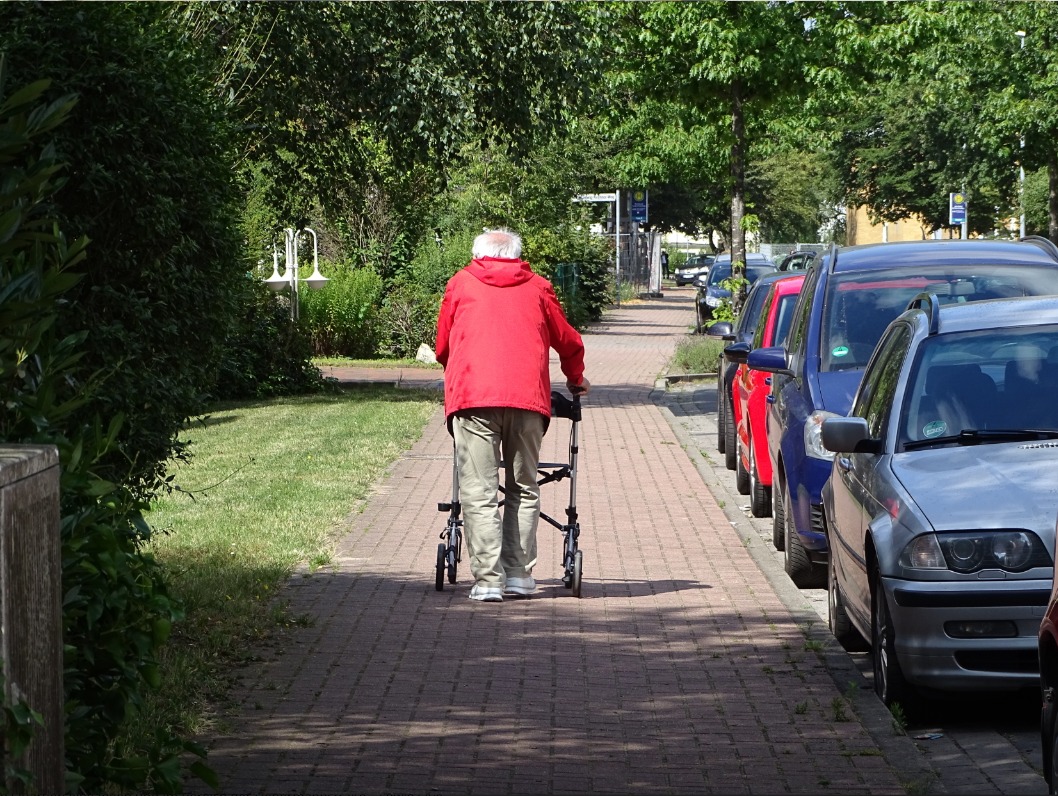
(452, 565)
(578, 563)
(439, 582)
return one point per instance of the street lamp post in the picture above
(290, 276)
(1021, 165)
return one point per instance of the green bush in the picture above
(149, 182)
(116, 608)
(547, 248)
(408, 319)
(413, 299)
(342, 318)
(265, 354)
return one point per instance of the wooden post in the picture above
(31, 604)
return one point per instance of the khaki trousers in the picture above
(499, 548)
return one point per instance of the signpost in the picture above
(957, 210)
(638, 207)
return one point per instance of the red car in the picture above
(751, 390)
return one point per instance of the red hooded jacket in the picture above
(497, 321)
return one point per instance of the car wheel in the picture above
(741, 475)
(798, 565)
(778, 517)
(1052, 787)
(721, 413)
(760, 495)
(889, 682)
(730, 434)
(838, 619)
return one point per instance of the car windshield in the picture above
(721, 271)
(994, 385)
(860, 305)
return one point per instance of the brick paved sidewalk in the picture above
(682, 669)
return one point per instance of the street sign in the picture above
(596, 197)
(956, 208)
(638, 209)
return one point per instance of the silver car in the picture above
(941, 504)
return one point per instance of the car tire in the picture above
(759, 495)
(730, 434)
(798, 565)
(840, 625)
(721, 413)
(889, 682)
(778, 516)
(1052, 787)
(1049, 739)
(741, 475)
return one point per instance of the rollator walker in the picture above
(450, 549)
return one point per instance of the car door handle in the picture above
(767, 381)
(770, 399)
(844, 462)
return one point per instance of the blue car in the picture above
(849, 297)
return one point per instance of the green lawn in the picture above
(268, 483)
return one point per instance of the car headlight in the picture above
(971, 551)
(814, 435)
(712, 301)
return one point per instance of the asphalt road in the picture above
(980, 744)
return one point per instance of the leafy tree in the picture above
(320, 86)
(947, 100)
(1011, 80)
(732, 64)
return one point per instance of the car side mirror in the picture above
(722, 329)
(771, 360)
(848, 435)
(737, 353)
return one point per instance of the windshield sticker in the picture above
(840, 351)
(934, 429)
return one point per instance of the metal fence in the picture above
(635, 267)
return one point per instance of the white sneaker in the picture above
(522, 586)
(486, 594)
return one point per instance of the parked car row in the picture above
(911, 430)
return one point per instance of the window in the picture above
(874, 402)
(799, 329)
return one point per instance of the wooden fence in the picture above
(31, 605)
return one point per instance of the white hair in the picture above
(498, 243)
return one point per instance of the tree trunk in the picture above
(1052, 195)
(738, 189)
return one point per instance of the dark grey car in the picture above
(940, 508)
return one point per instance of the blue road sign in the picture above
(956, 208)
(638, 207)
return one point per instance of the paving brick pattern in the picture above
(681, 669)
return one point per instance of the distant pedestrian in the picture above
(664, 263)
(497, 322)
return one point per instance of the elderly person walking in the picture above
(497, 322)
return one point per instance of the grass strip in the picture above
(268, 483)
(696, 354)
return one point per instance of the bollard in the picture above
(31, 605)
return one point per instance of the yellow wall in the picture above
(860, 229)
